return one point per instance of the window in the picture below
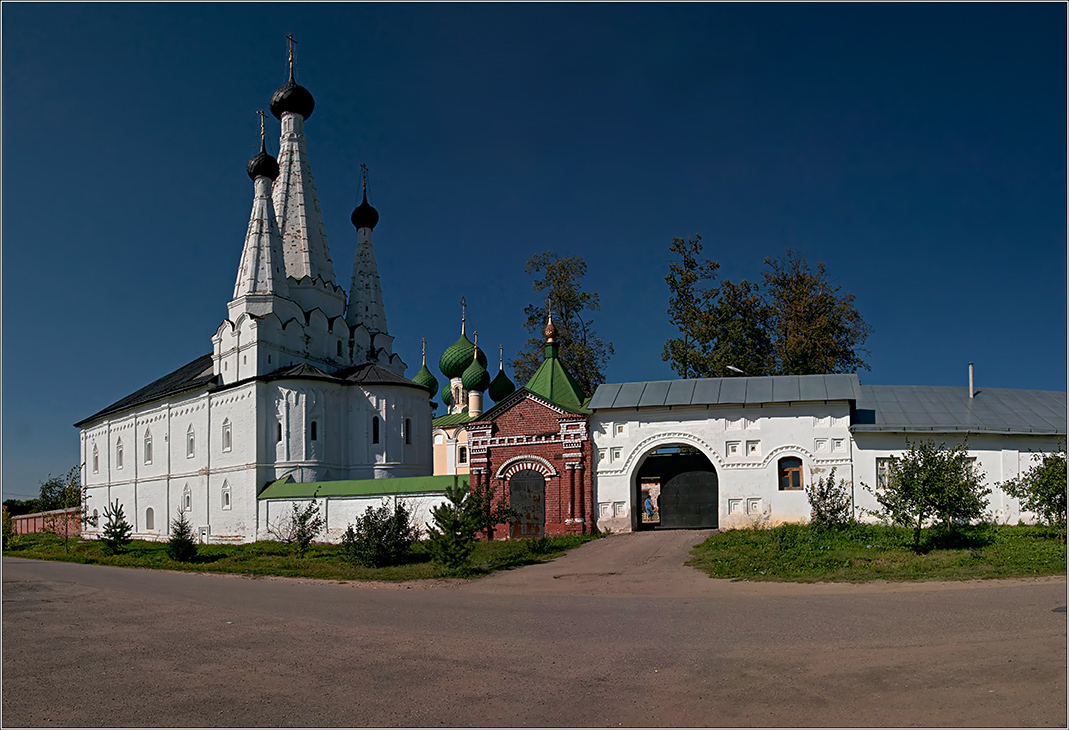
(187, 499)
(118, 454)
(150, 519)
(268, 359)
(148, 447)
(616, 453)
(790, 473)
(439, 439)
(602, 455)
(838, 444)
(226, 495)
(462, 455)
(226, 435)
(620, 429)
(753, 448)
(278, 432)
(96, 518)
(408, 430)
(96, 459)
(314, 431)
(375, 430)
(191, 443)
(339, 347)
(883, 472)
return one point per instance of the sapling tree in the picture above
(117, 531)
(830, 502)
(1042, 489)
(66, 497)
(488, 512)
(301, 527)
(932, 484)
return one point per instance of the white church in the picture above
(302, 397)
(302, 383)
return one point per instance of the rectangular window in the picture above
(617, 453)
(375, 430)
(883, 472)
(753, 448)
(278, 432)
(462, 455)
(734, 449)
(314, 431)
(790, 473)
(620, 429)
(408, 430)
(602, 455)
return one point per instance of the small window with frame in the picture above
(790, 473)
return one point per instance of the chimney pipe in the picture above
(971, 392)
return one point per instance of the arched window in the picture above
(790, 473)
(339, 347)
(278, 432)
(191, 442)
(315, 431)
(226, 495)
(408, 430)
(148, 446)
(96, 459)
(150, 519)
(187, 499)
(462, 455)
(118, 454)
(375, 430)
(226, 434)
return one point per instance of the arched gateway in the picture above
(527, 495)
(679, 485)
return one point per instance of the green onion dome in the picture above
(447, 395)
(457, 357)
(475, 376)
(501, 387)
(426, 378)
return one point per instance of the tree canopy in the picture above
(792, 322)
(582, 351)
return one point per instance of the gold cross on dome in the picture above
(363, 167)
(262, 118)
(292, 43)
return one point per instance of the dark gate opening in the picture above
(527, 495)
(677, 487)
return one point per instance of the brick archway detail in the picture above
(526, 462)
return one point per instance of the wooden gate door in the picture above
(527, 495)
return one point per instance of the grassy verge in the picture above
(861, 552)
(272, 558)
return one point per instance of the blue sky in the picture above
(918, 150)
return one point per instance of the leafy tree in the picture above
(794, 322)
(452, 537)
(69, 495)
(382, 536)
(16, 507)
(932, 484)
(60, 492)
(117, 531)
(1042, 489)
(830, 502)
(301, 527)
(814, 328)
(182, 545)
(488, 512)
(582, 352)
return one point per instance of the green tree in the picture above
(1042, 489)
(932, 484)
(60, 492)
(67, 497)
(829, 501)
(689, 303)
(182, 545)
(582, 351)
(814, 326)
(301, 527)
(488, 512)
(117, 531)
(452, 537)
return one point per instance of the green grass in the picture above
(864, 552)
(272, 558)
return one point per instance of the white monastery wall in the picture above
(340, 512)
(744, 444)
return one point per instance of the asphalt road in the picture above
(618, 632)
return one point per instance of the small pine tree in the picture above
(452, 538)
(182, 546)
(829, 501)
(117, 531)
(382, 536)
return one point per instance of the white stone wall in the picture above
(817, 433)
(340, 512)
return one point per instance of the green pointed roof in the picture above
(501, 387)
(475, 376)
(552, 382)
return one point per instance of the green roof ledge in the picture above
(286, 488)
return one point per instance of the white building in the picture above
(302, 380)
(729, 452)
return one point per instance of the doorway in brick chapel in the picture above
(675, 486)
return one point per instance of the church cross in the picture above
(262, 118)
(363, 166)
(292, 43)
(424, 341)
(463, 313)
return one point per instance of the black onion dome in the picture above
(365, 216)
(291, 97)
(262, 165)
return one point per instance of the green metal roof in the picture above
(552, 382)
(452, 419)
(286, 488)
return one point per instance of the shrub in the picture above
(117, 531)
(381, 537)
(452, 538)
(182, 546)
(830, 502)
(301, 527)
